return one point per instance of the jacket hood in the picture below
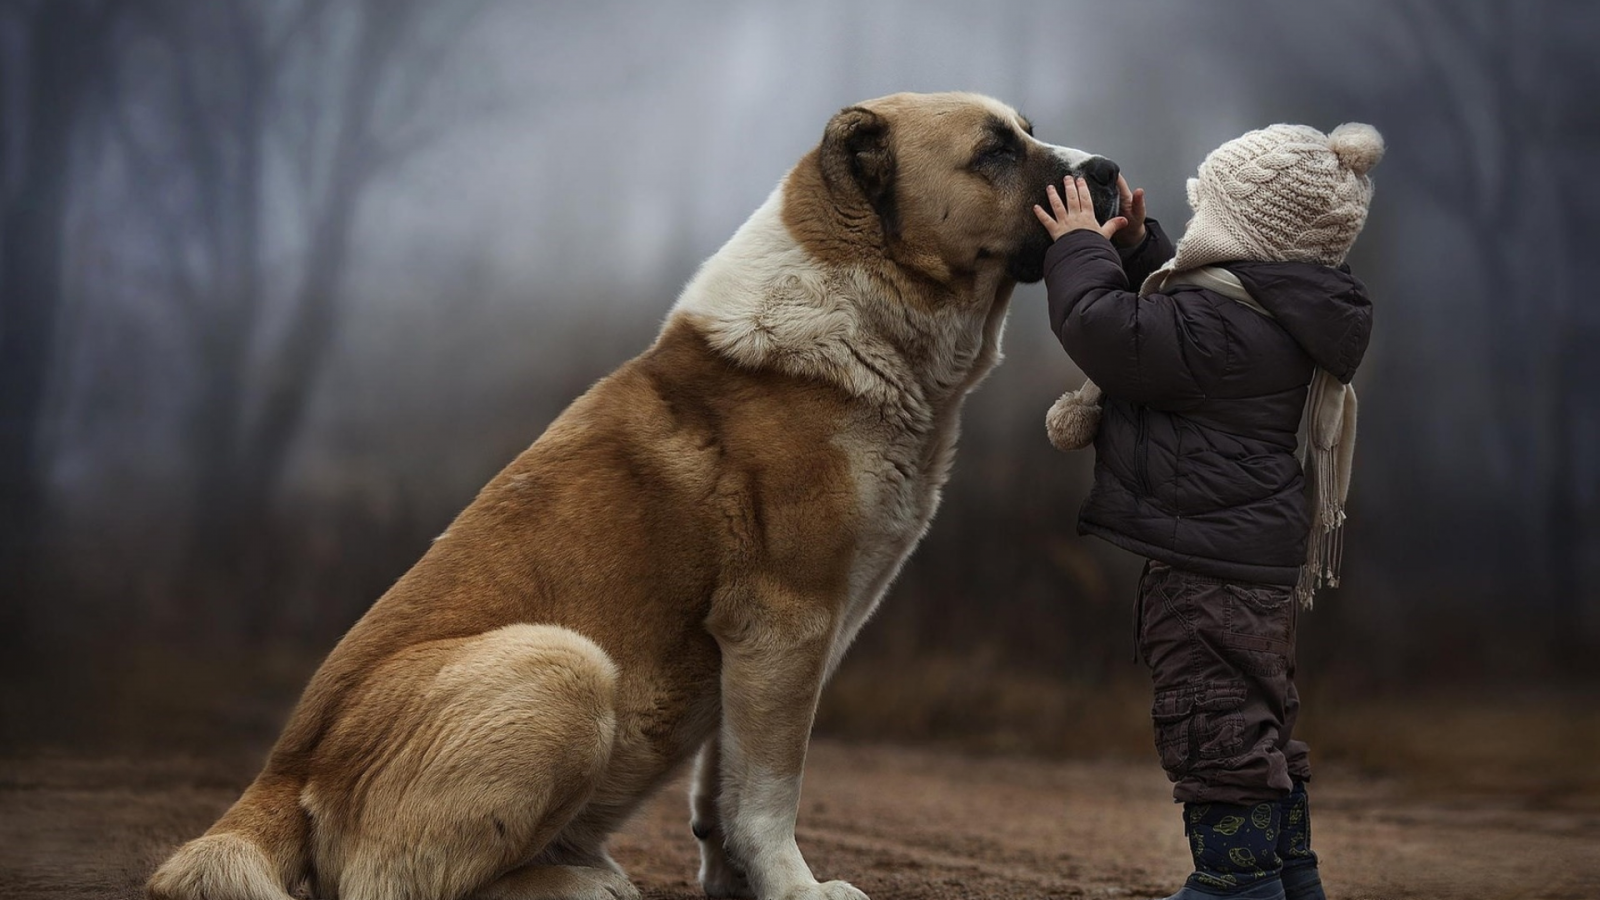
(1326, 310)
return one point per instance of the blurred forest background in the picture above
(284, 282)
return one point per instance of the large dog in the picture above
(678, 564)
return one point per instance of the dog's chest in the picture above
(897, 478)
(897, 486)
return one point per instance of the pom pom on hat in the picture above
(1358, 146)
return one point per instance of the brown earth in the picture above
(899, 823)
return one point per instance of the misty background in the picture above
(284, 282)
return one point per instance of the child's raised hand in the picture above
(1132, 206)
(1075, 213)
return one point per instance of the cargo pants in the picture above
(1221, 656)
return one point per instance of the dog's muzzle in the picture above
(1101, 176)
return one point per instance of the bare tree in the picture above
(55, 60)
(1492, 74)
(272, 120)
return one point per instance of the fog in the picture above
(285, 281)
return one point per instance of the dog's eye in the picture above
(997, 153)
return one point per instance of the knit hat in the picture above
(1281, 193)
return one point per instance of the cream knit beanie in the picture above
(1281, 193)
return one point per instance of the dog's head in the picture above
(946, 183)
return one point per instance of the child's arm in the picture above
(1133, 347)
(1140, 241)
(1151, 250)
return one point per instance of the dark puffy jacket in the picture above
(1194, 460)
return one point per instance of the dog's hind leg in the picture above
(257, 851)
(575, 866)
(536, 882)
(469, 758)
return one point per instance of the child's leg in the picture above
(1301, 880)
(1296, 754)
(1220, 655)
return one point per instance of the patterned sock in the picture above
(1233, 846)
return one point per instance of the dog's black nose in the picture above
(1099, 170)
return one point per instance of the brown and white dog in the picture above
(678, 564)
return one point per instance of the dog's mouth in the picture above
(1027, 264)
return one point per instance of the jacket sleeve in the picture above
(1148, 255)
(1141, 349)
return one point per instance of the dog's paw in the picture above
(621, 888)
(559, 883)
(827, 890)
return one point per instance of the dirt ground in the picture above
(899, 823)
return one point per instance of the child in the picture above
(1205, 372)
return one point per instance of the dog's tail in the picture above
(256, 851)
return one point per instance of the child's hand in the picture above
(1132, 205)
(1077, 214)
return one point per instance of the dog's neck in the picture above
(765, 302)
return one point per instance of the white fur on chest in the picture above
(763, 301)
(896, 498)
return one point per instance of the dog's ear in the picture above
(856, 157)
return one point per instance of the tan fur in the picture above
(674, 567)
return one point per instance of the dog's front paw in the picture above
(827, 890)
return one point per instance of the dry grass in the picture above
(968, 703)
(1536, 747)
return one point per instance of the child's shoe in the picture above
(1301, 880)
(1235, 851)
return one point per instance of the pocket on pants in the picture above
(1258, 636)
(1172, 711)
(1218, 723)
